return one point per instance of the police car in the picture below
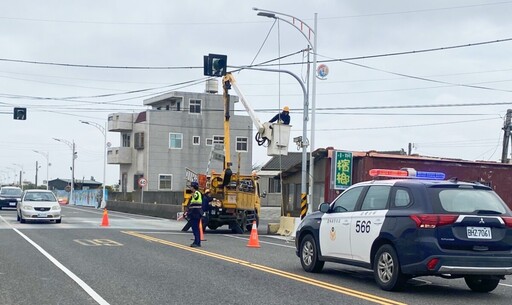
(405, 228)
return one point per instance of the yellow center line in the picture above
(288, 275)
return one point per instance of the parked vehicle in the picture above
(405, 228)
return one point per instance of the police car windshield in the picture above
(469, 201)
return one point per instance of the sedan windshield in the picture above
(11, 192)
(39, 197)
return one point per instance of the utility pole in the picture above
(506, 136)
(71, 201)
(37, 167)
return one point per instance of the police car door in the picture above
(335, 225)
(368, 220)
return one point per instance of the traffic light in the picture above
(215, 65)
(20, 113)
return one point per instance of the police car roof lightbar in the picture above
(377, 172)
(406, 173)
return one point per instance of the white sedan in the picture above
(38, 205)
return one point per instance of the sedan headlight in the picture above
(56, 207)
(27, 207)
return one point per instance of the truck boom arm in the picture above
(257, 123)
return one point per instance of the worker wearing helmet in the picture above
(207, 199)
(282, 117)
(195, 212)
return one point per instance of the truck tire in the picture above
(236, 229)
(481, 284)
(249, 226)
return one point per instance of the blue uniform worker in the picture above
(207, 199)
(195, 212)
(282, 117)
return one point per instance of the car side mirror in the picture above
(264, 194)
(324, 207)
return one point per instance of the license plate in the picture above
(42, 215)
(12, 204)
(479, 232)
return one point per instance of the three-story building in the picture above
(181, 130)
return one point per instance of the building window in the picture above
(175, 140)
(218, 139)
(139, 140)
(195, 106)
(126, 140)
(165, 182)
(274, 185)
(196, 140)
(241, 144)
(209, 141)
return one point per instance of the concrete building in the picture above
(181, 130)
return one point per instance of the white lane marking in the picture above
(68, 272)
(507, 285)
(261, 242)
(117, 213)
(162, 232)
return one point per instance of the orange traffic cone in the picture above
(201, 234)
(253, 239)
(104, 221)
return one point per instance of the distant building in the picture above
(181, 130)
(80, 184)
(494, 174)
(270, 177)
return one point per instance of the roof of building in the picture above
(283, 163)
(92, 182)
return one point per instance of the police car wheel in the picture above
(386, 269)
(309, 255)
(481, 284)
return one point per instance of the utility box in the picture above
(280, 138)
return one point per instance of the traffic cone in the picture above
(201, 234)
(104, 221)
(253, 239)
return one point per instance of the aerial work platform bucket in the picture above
(279, 140)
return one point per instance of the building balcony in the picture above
(119, 155)
(120, 122)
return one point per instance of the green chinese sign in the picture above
(342, 169)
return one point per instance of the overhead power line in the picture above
(267, 63)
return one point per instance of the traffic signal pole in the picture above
(506, 136)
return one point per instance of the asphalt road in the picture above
(147, 260)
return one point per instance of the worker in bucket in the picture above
(282, 117)
(195, 212)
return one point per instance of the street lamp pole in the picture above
(273, 14)
(72, 146)
(104, 132)
(21, 174)
(46, 155)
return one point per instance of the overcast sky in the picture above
(47, 46)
